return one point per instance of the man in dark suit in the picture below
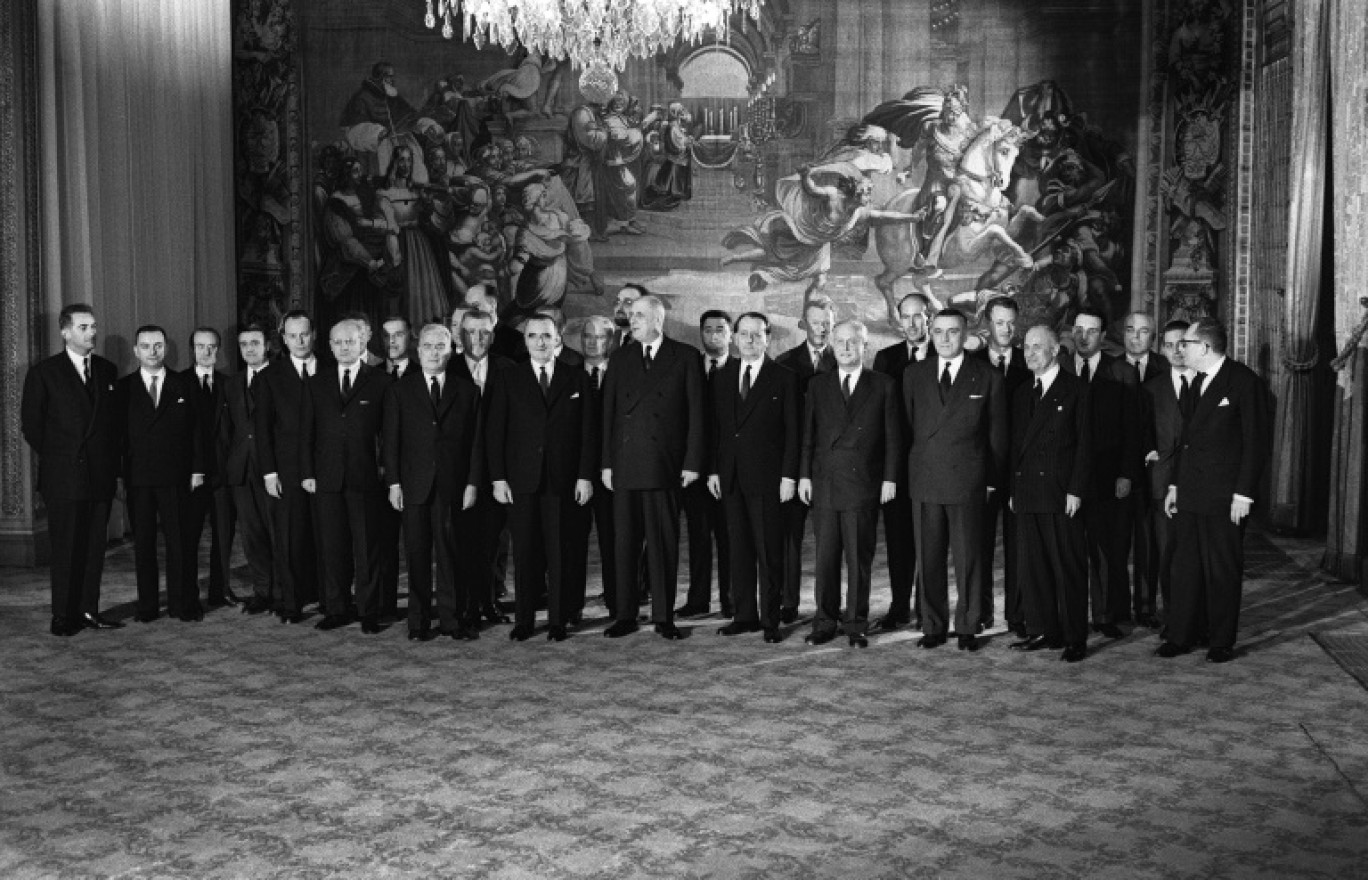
(240, 472)
(1219, 463)
(653, 446)
(804, 361)
(703, 512)
(754, 429)
(340, 426)
(1005, 356)
(957, 414)
(1162, 399)
(1116, 463)
(213, 500)
(433, 462)
(278, 417)
(852, 438)
(596, 339)
(1139, 337)
(397, 337)
(70, 419)
(163, 462)
(622, 313)
(1050, 460)
(540, 439)
(486, 522)
(903, 577)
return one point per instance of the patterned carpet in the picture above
(242, 748)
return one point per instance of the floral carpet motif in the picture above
(242, 748)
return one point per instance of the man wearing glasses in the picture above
(1219, 461)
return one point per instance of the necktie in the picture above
(1036, 395)
(304, 371)
(394, 371)
(945, 382)
(646, 355)
(346, 382)
(156, 398)
(86, 361)
(816, 362)
(1196, 393)
(1002, 363)
(594, 374)
(845, 388)
(436, 392)
(204, 384)
(712, 368)
(545, 382)
(1185, 398)
(1085, 371)
(746, 383)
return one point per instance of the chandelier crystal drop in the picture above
(586, 30)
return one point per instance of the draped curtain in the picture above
(1296, 389)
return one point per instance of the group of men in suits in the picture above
(322, 463)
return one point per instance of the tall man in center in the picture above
(653, 446)
(957, 409)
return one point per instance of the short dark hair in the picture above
(1210, 331)
(407, 325)
(218, 340)
(294, 315)
(758, 316)
(639, 288)
(714, 315)
(253, 328)
(64, 317)
(1090, 312)
(358, 316)
(1002, 302)
(1176, 324)
(952, 312)
(149, 328)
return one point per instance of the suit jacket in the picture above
(755, 442)
(162, 445)
(1117, 434)
(75, 434)
(1224, 446)
(1156, 365)
(339, 437)
(209, 410)
(1052, 446)
(433, 449)
(508, 343)
(1163, 427)
(1017, 374)
(892, 361)
(799, 360)
(236, 439)
(279, 420)
(653, 421)
(569, 356)
(542, 443)
(850, 449)
(494, 374)
(958, 448)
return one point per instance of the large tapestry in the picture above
(858, 151)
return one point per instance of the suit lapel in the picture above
(759, 384)
(960, 389)
(1212, 393)
(560, 380)
(1042, 408)
(864, 389)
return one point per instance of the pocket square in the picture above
(1225, 401)
(573, 396)
(365, 402)
(976, 397)
(1059, 409)
(180, 400)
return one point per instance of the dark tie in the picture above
(251, 392)
(394, 371)
(845, 388)
(746, 383)
(945, 382)
(816, 362)
(1196, 392)
(304, 372)
(594, 374)
(1185, 398)
(436, 392)
(204, 384)
(1036, 395)
(1002, 364)
(346, 382)
(646, 357)
(156, 398)
(1085, 371)
(545, 383)
(712, 368)
(88, 384)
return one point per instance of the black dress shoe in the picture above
(255, 605)
(691, 610)
(1018, 630)
(819, 637)
(1220, 655)
(668, 631)
(95, 621)
(931, 641)
(292, 617)
(1074, 653)
(421, 635)
(621, 628)
(468, 631)
(493, 615)
(858, 641)
(774, 635)
(62, 628)
(1032, 643)
(889, 623)
(788, 615)
(145, 618)
(985, 624)
(969, 643)
(370, 624)
(1110, 630)
(1169, 650)
(333, 621)
(557, 633)
(1148, 621)
(736, 628)
(520, 633)
(981, 627)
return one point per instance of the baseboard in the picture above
(27, 549)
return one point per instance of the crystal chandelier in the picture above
(608, 31)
